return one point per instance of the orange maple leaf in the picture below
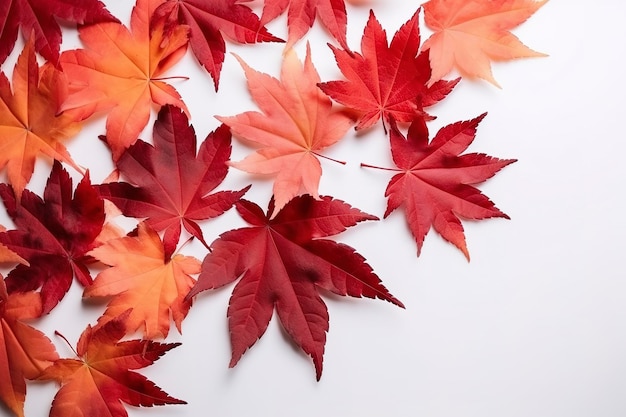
(469, 34)
(30, 122)
(298, 121)
(121, 71)
(142, 279)
(24, 351)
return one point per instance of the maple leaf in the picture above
(207, 21)
(387, 80)
(302, 14)
(121, 70)
(37, 17)
(53, 234)
(469, 34)
(141, 278)
(7, 255)
(30, 122)
(103, 376)
(283, 262)
(170, 183)
(297, 123)
(435, 182)
(24, 351)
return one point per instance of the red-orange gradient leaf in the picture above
(103, 377)
(142, 279)
(120, 71)
(168, 184)
(207, 21)
(435, 187)
(30, 122)
(283, 263)
(37, 17)
(386, 80)
(297, 122)
(24, 351)
(469, 34)
(53, 234)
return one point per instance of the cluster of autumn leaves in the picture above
(283, 258)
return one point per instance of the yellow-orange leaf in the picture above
(30, 122)
(469, 34)
(120, 71)
(142, 280)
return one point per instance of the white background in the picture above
(534, 325)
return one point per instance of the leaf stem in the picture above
(174, 77)
(329, 158)
(363, 165)
(56, 332)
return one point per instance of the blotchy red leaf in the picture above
(387, 81)
(435, 186)
(283, 262)
(37, 17)
(207, 21)
(302, 14)
(24, 351)
(53, 234)
(168, 183)
(102, 377)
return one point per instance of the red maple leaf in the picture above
(24, 351)
(387, 80)
(283, 263)
(102, 377)
(435, 182)
(38, 17)
(207, 22)
(302, 14)
(169, 183)
(53, 234)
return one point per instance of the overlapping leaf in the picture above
(435, 185)
(297, 122)
(121, 71)
(207, 21)
(53, 234)
(30, 122)
(387, 81)
(169, 183)
(24, 351)
(37, 17)
(469, 34)
(103, 377)
(301, 16)
(142, 279)
(283, 262)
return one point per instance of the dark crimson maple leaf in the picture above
(283, 263)
(207, 22)
(169, 183)
(102, 377)
(435, 183)
(386, 80)
(53, 234)
(38, 17)
(24, 351)
(301, 17)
